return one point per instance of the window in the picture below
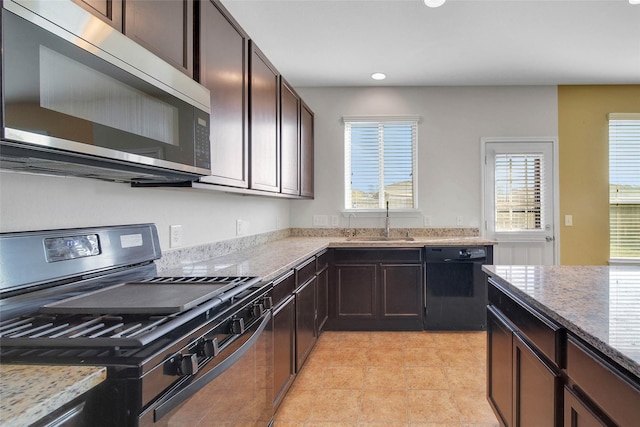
(519, 190)
(624, 186)
(380, 163)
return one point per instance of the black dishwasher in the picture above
(456, 288)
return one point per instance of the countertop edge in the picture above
(25, 407)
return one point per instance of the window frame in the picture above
(619, 117)
(411, 120)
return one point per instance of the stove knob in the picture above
(267, 302)
(237, 326)
(187, 364)
(258, 309)
(208, 347)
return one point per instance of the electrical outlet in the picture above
(242, 227)
(335, 221)
(175, 236)
(460, 220)
(320, 221)
(426, 219)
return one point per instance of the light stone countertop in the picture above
(30, 392)
(269, 260)
(600, 304)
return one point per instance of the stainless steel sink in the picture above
(379, 239)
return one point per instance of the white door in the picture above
(519, 200)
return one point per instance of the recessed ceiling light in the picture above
(634, 1)
(434, 3)
(378, 76)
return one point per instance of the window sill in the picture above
(624, 261)
(379, 213)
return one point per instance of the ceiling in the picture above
(463, 42)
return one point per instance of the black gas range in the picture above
(178, 350)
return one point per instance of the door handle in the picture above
(549, 238)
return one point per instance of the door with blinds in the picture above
(519, 201)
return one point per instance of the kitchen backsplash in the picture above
(395, 232)
(177, 257)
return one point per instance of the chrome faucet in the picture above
(351, 232)
(387, 223)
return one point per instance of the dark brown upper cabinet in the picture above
(264, 140)
(306, 150)
(223, 68)
(165, 27)
(110, 11)
(290, 138)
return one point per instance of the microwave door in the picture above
(59, 95)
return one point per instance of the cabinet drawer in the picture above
(617, 396)
(283, 286)
(322, 261)
(412, 255)
(540, 331)
(305, 271)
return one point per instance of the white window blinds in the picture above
(380, 163)
(518, 191)
(624, 186)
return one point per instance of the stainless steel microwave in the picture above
(80, 98)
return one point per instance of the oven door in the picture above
(236, 390)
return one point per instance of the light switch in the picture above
(568, 220)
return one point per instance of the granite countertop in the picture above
(30, 392)
(596, 303)
(269, 260)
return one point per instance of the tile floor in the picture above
(413, 379)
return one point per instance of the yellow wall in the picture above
(584, 167)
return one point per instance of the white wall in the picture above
(449, 167)
(453, 121)
(36, 202)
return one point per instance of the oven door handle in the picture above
(181, 396)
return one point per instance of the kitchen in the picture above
(45, 202)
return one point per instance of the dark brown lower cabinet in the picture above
(306, 336)
(536, 385)
(524, 379)
(401, 291)
(499, 365)
(284, 350)
(376, 289)
(322, 299)
(578, 414)
(355, 293)
(607, 389)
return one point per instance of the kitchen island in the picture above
(564, 344)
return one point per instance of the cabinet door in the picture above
(264, 140)
(224, 70)
(355, 293)
(110, 11)
(536, 385)
(401, 291)
(165, 27)
(577, 414)
(322, 299)
(284, 318)
(289, 139)
(306, 151)
(499, 365)
(305, 321)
